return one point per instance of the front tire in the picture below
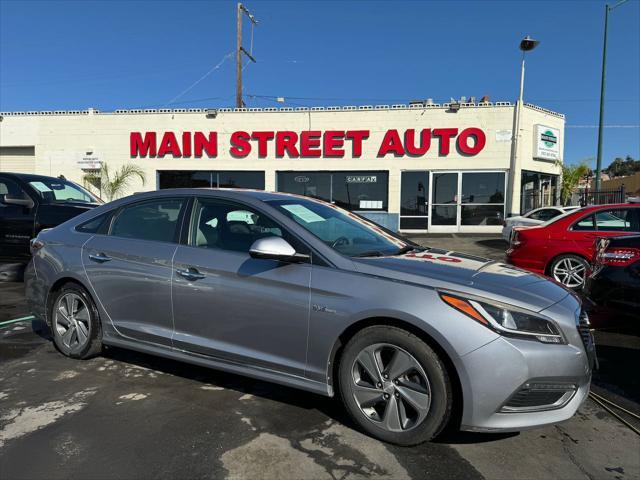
(75, 322)
(394, 386)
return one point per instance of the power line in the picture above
(605, 126)
(216, 67)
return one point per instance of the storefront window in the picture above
(209, 179)
(240, 179)
(184, 179)
(482, 201)
(352, 190)
(360, 190)
(309, 184)
(537, 190)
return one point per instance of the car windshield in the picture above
(56, 190)
(345, 232)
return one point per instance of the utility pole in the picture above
(607, 9)
(240, 50)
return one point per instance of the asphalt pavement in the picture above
(130, 415)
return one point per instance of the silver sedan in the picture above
(296, 291)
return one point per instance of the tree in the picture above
(113, 184)
(571, 175)
(623, 167)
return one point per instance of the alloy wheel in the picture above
(72, 320)
(570, 272)
(390, 387)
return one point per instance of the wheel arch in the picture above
(350, 331)
(55, 287)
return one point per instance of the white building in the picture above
(421, 167)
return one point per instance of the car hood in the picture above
(467, 274)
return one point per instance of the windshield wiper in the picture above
(370, 253)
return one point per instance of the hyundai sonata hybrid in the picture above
(299, 292)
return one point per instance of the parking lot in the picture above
(129, 415)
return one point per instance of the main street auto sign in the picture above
(308, 144)
(546, 144)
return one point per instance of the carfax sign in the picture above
(546, 143)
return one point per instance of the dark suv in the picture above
(30, 203)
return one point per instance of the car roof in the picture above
(29, 177)
(261, 195)
(608, 206)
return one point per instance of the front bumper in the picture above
(498, 372)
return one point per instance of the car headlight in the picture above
(506, 319)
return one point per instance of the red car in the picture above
(563, 247)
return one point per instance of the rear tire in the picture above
(569, 270)
(394, 386)
(75, 322)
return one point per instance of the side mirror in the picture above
(23, 201)
(276, 248)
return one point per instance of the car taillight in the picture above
(517, 239)
(619, 256)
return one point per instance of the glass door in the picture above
(414, 201)
(445, 202)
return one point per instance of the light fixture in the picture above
(212, 112)
(454, 106)
(527, 44)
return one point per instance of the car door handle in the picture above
(100, 258)
(190, 274)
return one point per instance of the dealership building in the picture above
(421, 167)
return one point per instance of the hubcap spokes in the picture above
(391, 387)
(570, 272)
(72, 321)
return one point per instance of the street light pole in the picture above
(526, 45)
(607, 9)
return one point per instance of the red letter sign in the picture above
(391, 143)
(357, 136)
(169, 144)
(140, 147)
(463, 141)
(263, 138)
(241, 146)
(425, 142)
(201, 143)
(332, 143)
(445, 135)
(286, 141)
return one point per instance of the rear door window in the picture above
(619, 220)
(156, 220)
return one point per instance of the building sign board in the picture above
(546, 143)
(307, 144)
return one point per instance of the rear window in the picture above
(155, 220)
(98, 224)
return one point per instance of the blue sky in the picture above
(126, 54)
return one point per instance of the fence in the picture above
(593, 197)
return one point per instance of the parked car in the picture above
(29, 203)
(614, 283)
(563, 247)
(299, 292)
(533, 217)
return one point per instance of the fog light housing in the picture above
(538, 397)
